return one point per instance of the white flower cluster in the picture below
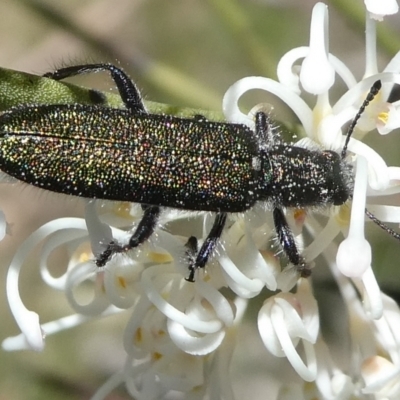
(181, 335)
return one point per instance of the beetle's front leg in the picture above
(288, 243)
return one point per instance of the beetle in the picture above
(161, 161)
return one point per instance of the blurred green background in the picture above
(185, 53)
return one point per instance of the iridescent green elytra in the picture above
(97, 152)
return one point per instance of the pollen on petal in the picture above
(343, 216)
(160, 258)
(299, 216)
(122, 282)
(138, 335)
(383, 117)
(123, 210)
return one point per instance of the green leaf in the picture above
(18, 88)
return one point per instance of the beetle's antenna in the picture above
(378, 222)
(375, 88)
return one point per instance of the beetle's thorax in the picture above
(298, 177)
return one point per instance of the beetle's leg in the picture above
(288, 243)
(142, 233)
(130, 94)
(265, 129)
(208, 246)
(192, 249)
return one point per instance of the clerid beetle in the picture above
(165, 161)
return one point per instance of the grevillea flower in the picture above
(180, 336)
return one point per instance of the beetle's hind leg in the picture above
(142, 233)
(128, 91)
(288, 243)
(199, 259)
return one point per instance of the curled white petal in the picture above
(191, 343)
(307, 372)
(237, 281)
(297, 327)
(285, 70)
(81, 273)
(284, 320)
(343, 71)
(246, 260)
(288, 77)
(171, 312)
(28, 321)
(32, 336)
(220, 304)
(19, 342)
(231, 97)
(59, 238)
